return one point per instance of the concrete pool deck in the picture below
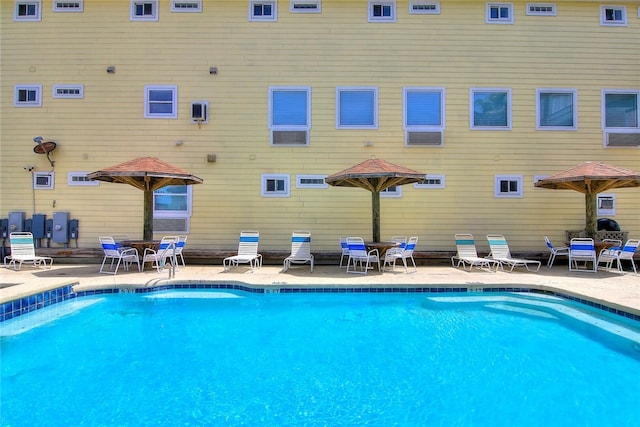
(620, 291)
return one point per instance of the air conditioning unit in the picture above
(622, 139)
(289, 137)
(199, 112)
(424, 139)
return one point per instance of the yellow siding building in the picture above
(484, 97)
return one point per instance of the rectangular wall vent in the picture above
(424, 139)
(199, 112)
(171, 225)
(622, 139)
(289, 137)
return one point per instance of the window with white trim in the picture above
(28, 11)
(556, 109)
(263, 10)
(68, 6)
(81, 179)
(432, 181)
(161, 102)
(172, 208)
(309, 6)
(621, 117)
(356, 108)
(275, 185)
(43, 180)
(490, 109)
(541, 9)
(382, 11)
(395, 191)
(424, 119)
(499, 13)
(144, 10)
(508, 186)
(290, 115)
(613, 15)
(186, 6)
(606, 204)
(424, 7)
(27, 96)
(311, 181)
(68, 91)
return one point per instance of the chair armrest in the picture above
(129, 251)
(148, 251)
(372, 252)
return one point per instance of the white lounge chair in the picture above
(627, 252)
(180, 244)
(555, 251)
(23, 249)
(358, 255)
(344, 248)
(467, 255)
(403, 252)
(300, 250)
(117, 254)
(501, 253)
(247, 252)
(582, 249)
(166, 251)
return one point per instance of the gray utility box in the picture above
(61, 227)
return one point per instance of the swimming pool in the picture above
(235, 358)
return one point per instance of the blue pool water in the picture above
(190, 358)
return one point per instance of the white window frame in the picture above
(499, 179)
(391, 4)
(439, 182)
(433, 8)
(294, 8)
(472, 92)
(58, 91)
(59, 6)
(615, 22)
(80, 179)
(300, 184)
(552, 12)
(306, 127)
(50, 180)
(423, 128)
(630, 129)
(177, 213)
(152, 17)
(499, 20)
(37, 16)
(574, 107)
(285, 178)
(606, 211)
(147, 102)
(27, 104)
(262, 18)
(372, 89)
(196, 9)
(393, 192)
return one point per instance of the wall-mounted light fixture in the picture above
(213, 70)
(111, 69)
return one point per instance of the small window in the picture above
(186, 6)
(508, 186)
(43, 180)
(28, 11)
(275, 185)
(311, 181)
(613, 15)
(556, 109)
(200, 112)
(80, 179)
(490, 109)
(68, 6)
(28, 96)
(144, 10)
(290, 115)
(356, 108)
(160, 102)
(620, 109)
(395, 191)
(305, 6)
(263, 10)
(432, 181)
(172, 201)
(499, 13)
(382, 11)
(423, 116)
(68, 91)
(424, 7)
(606, 204)
(542, 9)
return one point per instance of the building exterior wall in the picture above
(455, 50)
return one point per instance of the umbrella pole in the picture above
(147, 231)
(590, 202)
(375, 214)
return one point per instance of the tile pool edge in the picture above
(36, 301)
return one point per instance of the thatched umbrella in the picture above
(147, 174)
(375, 175)
(591, 178)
